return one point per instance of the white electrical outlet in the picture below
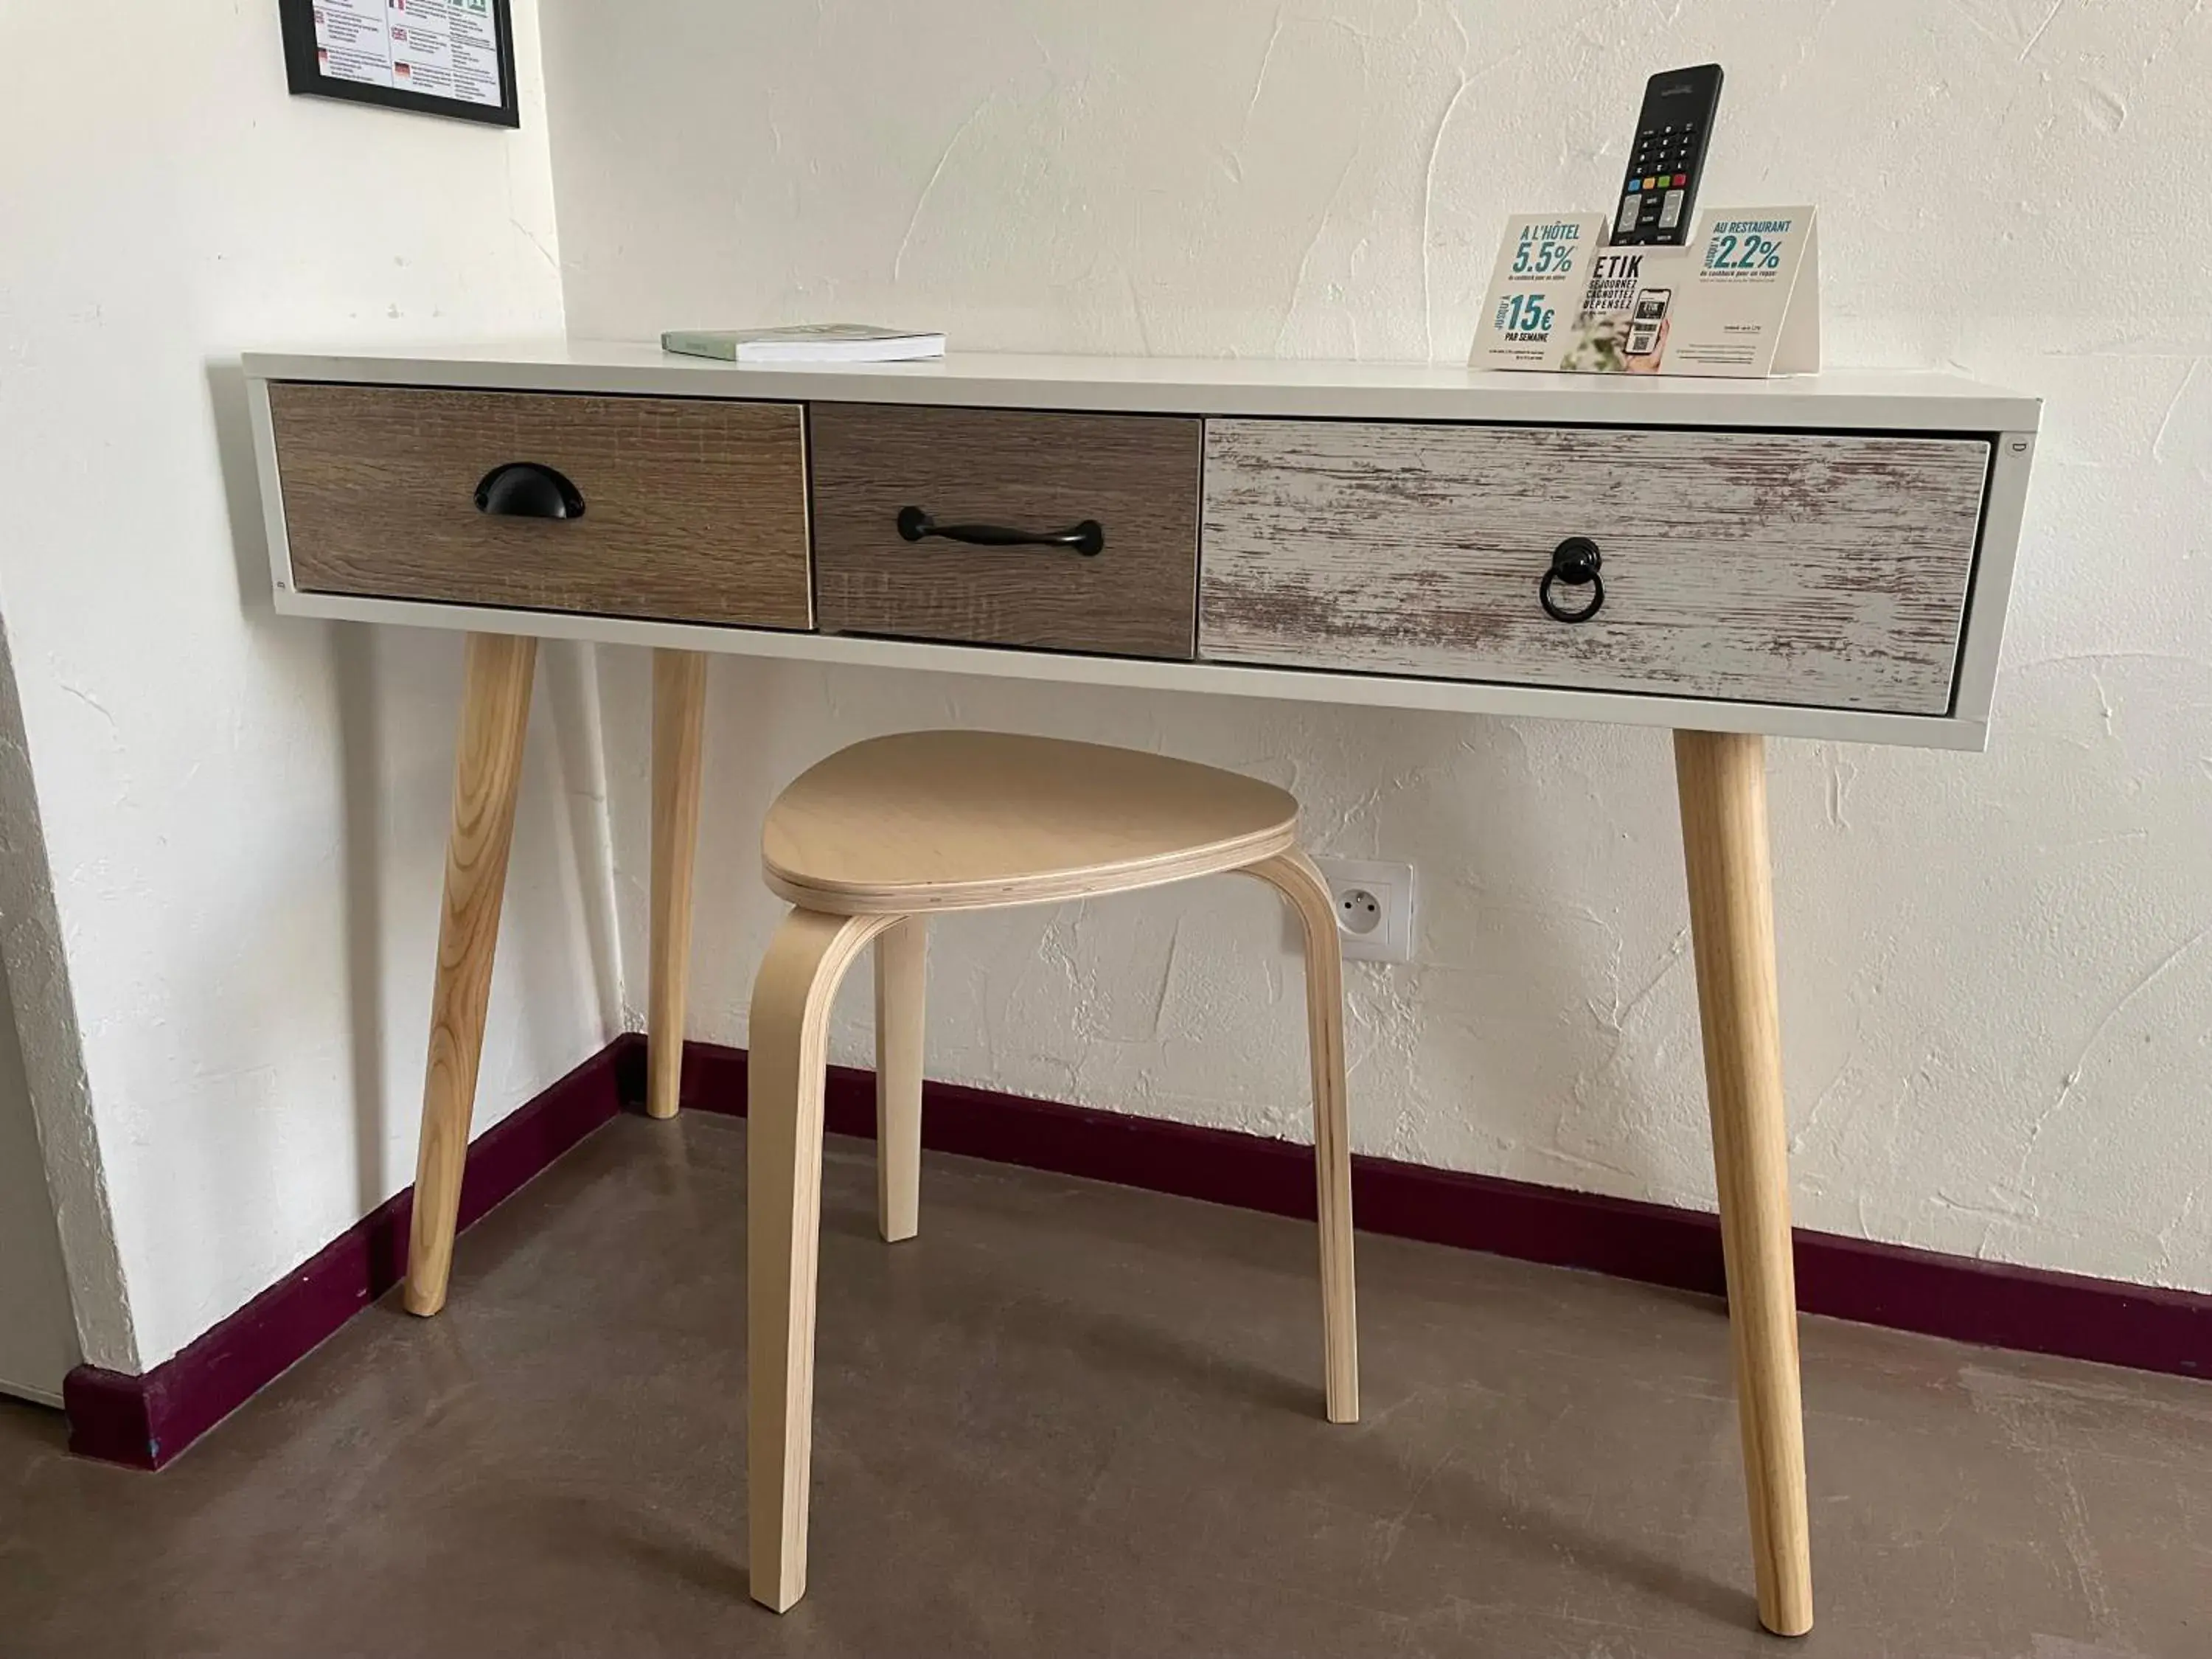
(1374, 907)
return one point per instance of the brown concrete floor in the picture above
(1073, 1419)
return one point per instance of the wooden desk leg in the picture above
(679, 719)
(487, 770)
(1722, 778)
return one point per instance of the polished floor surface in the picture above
(1072, 1419)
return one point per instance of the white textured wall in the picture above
(244, 816)
(1997, 971)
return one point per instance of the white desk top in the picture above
(1896, 400)
(1887, 400)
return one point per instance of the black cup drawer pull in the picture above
(528, 489)
(1575, 563)
(1088, 538)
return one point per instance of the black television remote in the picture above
(1668, 153)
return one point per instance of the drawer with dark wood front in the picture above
(1068, 532)
(682, 508)
(1816, 568)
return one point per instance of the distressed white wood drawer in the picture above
(1828, 570)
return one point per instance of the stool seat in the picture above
(930, 821)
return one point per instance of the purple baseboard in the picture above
(146, 1421)
(1998, 1306)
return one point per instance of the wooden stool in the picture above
(866, 845)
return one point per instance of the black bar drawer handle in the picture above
(1088, 538)
(1574, 562)
(528, 489)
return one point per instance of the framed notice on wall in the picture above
(440, 57)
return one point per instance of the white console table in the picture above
(1823, 557)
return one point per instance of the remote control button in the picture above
(1670, 211)
(1681, 180)
(1629, 203)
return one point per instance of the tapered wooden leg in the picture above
(487, 772)
(1294, 875)
(1722, 778)
(900, 1002)
(679, 717)
(783, 1215)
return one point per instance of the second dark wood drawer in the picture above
(1136, 474)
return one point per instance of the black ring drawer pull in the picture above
(1574, 561)
(528, 489)
(1088, 538)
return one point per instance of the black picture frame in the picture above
(303, 72)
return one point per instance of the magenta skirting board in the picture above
(145, 1421)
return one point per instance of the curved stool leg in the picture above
(783, 1222)
(900, 1002)
(1294, 875)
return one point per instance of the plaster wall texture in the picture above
(1997, 970)
(223, 831)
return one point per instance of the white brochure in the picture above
(1544, 267)
(1741, 298)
